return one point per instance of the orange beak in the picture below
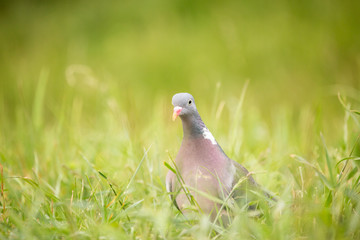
(177, 111)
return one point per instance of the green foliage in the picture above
(85, 115)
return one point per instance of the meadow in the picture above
(85, 114)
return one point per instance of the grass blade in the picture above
(137, 169)
(328, 161)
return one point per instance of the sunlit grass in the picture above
(74, 179)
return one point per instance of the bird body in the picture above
(199, 168)
(201, 162)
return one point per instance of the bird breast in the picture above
(203, 166)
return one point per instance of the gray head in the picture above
(184, 105)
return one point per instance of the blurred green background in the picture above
(296, 55)
(94, 80)
(293, 53)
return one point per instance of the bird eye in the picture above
(190, 101)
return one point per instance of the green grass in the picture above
(85, 115)
(72, 180)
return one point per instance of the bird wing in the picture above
(242, 172)
(246, 186)
(243, 184)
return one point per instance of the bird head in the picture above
(184, 105)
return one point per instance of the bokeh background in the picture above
(293, 53)
(86, 57)
(93, 80)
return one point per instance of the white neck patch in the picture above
(207, 135)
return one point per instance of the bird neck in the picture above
(192, 126)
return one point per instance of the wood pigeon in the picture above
(202, 167)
